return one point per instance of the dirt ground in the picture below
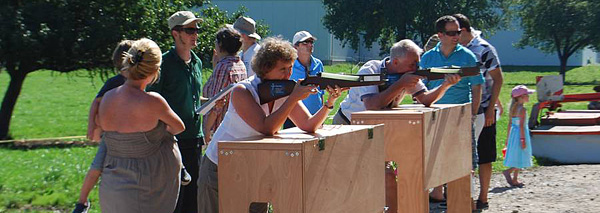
(568, 188)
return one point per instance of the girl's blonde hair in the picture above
(272, 49)
(142, 60)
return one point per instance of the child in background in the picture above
(94, 132)
(518, 142)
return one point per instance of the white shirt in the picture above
(247, 57)
(233, 126)
(353, 102)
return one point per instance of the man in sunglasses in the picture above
(247, 27)
(180, 83)
(449, 52)
(486, 117)
(305, 64)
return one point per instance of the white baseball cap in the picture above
(302, 36)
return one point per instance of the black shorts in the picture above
(486, 145)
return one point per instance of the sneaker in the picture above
(185, 177)
(479, 205)
(81, 208)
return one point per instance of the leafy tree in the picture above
(388, 21)
(66, 35)
(561, 26)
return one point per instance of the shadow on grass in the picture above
(47, 145)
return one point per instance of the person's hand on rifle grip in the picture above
(220, 104)
(302, 92)
(335, 93)
(451, 79)
(409, 80)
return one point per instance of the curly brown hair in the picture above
(272, 49)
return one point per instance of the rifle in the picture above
(271, 90)
(431, 74)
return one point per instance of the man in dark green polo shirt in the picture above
(180, 83)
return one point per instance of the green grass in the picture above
(52, 104)
(56, 105)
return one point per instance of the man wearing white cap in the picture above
(303, 41)
(180, 83)
(247, 27)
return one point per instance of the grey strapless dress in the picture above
(141, 172)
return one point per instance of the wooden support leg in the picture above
(391, 190)
(459, 195)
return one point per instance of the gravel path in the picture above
(571, 188)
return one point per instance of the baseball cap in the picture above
(520, 90)
(302, 36)
(246, 26)
(182, 18)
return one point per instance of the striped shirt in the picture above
(228, 70)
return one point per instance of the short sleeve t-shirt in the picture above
(111, 83)
(488, 58)
(461, 92)
(247, 58)
(313, 102)
(354, 101)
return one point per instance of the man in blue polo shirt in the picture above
(306, 63)
(468, 90)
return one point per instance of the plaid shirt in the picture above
(228, 70)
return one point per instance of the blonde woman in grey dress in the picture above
(142, 165)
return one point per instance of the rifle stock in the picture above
(271, 90)
(432, 74)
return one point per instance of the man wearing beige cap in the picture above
(180, 83)
(247, 27)
(305, 64)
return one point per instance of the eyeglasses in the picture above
(452, 33)
(189, 30)
(307, 42)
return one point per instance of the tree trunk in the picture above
(10, 100)
(563, 67)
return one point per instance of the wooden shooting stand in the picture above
(336, 169)
(431, 146)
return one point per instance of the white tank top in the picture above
(233, 126)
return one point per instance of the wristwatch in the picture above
(328, 107)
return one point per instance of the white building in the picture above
(286, 17)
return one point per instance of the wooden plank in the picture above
(267, 144)
(248, 176)
(402, 145)
(431, 145)
(348, 175)
(459, 195)
(447, 144)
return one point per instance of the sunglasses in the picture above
(189, 30)
(307, 42)
(452, 33)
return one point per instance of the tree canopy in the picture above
(66, 35)
(560, 26)
(388, 21)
